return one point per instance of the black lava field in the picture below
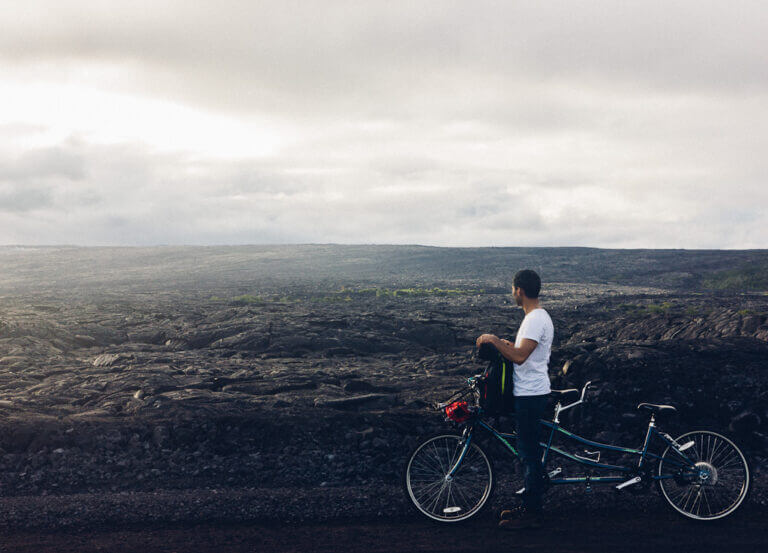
(181, 370)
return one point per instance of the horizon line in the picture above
(371, 244)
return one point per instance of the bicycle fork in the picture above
(467, 439)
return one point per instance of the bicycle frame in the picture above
(645, 456)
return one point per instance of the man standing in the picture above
(530, 357)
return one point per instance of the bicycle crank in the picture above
(550, 474)
(630, 482)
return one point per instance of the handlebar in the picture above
(584, 390)
(473, 380)
(575, 403)
(472, 383)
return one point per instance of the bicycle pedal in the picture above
(630, 482)
(593, 456)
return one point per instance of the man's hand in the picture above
(487, 339)
(508, 349)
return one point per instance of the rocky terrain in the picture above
(142, 371)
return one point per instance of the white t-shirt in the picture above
(531, 378)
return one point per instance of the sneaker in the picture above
(514, 512)
(524, 521)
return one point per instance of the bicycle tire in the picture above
(725, 464)
(469, 499)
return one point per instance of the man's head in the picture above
(526, 284)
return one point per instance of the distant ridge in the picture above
(62, 268)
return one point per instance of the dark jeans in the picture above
(528, 411)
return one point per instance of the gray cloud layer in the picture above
(447, 123)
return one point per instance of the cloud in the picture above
(326, 57)
(442, 123)
(131, 195)
(23, 199)
(43, 163)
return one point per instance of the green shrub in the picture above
(248, 299)
(752, 277)
(402, 292)
(649, 309)
(660, 308)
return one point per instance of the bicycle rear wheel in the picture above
(439, 497)
(717, 485)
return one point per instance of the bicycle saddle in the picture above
(562, 394)
(659, 409)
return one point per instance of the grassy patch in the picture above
(345, 294)
(348, 294)
(647, 309)
(410, 292)
(658, 307)
(248, 299)
(752, 277)
(333, 298)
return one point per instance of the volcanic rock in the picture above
(745, 422)
(106, 359)
(367, 400)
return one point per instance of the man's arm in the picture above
(508, 349)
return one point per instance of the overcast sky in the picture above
(610, 124)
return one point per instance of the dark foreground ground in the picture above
(576, 532)
(368, 519)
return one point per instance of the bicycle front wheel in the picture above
(715, 486)
(443, 498)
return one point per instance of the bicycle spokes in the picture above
(714, 485)
(438, 494)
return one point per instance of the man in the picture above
(530, 357)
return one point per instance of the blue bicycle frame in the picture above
(645, 456)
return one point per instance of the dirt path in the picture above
(574, 533)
